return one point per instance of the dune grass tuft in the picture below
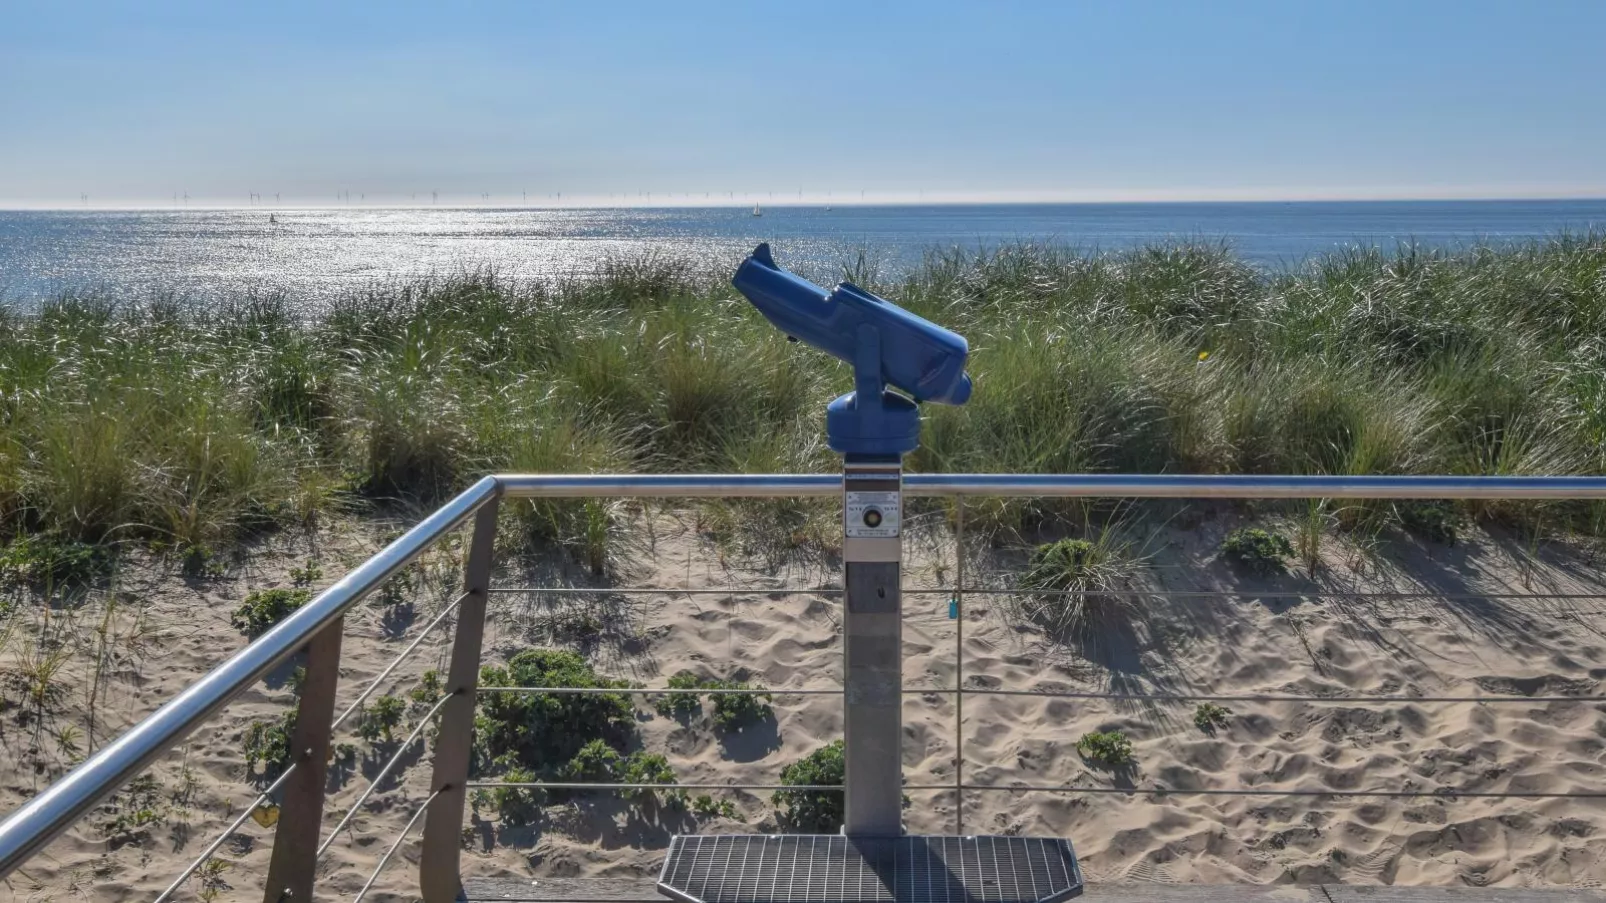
(1083, 589)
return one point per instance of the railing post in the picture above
(294, 865)
(872, 627)
(438, 875)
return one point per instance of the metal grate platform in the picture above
(829, 868)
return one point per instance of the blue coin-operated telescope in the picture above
(887, 346)
(873, 427)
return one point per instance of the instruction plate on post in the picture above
(871, 515)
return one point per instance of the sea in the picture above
(312, 255)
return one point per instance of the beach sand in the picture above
(1443, 636)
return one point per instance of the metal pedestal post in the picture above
(873, 627)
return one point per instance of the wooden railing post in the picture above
(438, 865)
(295, 841)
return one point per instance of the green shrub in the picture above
(1208, 717)
(381, 719)
(264, 608)
(1111, 749)
(1258, 551)
(813, 811)
(544, 729)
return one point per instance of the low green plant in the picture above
(705, 806)
(135, 810)
(267, 744)
(428, 691)
(264, 608)
(1433, 521)
(67, 739)
(306, 576)
(381, 718)
(599, 763)
(681, 705)
(1209, 717)
(1111, 749)
(1261, 552)
(397, 590)
(42, 558)
(641, 767)
(813, 811)
(201, 560)
(518, 805)
(596, 762)
(297, 679)
(734, 711)
(210, 877)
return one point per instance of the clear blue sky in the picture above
(131, 102)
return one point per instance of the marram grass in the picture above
(193, 425)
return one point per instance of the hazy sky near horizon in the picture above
(1126, 99)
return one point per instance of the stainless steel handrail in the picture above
(36, 823)
(42, 818)
(1060, 486)
(1200, 486)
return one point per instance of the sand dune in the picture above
(1440, 636)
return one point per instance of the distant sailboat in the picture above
(757, 211)
(273, 220)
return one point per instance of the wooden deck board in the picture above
(644, 890)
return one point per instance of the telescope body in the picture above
(887, 346)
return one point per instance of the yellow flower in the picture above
(1204, 355)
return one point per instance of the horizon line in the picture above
(828, 199)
